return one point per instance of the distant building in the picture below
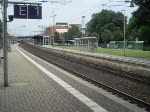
(60, 28)
(46, 31)
(77, 25)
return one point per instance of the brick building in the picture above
(60, 28)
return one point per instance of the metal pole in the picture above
(124, 35)
(43, 34)
(53, 26)
(5, 3)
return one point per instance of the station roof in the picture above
(37, 37)
(24, 37)
(89, 38)
(85, 38)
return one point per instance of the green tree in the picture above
(117, 35)
(94, 34)
(56, 36)
(144, 33)
(65, 35)
(139, 23)
(106, 36)
(142, 14)
(132, 28)
(74, 32)
(106, 20)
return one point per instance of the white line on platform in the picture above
(91, 104)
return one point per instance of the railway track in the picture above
(126, 96)
(129, 75)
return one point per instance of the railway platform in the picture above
(135, 61)
(127, 64)
(38, 86)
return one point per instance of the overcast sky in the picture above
(70, 12)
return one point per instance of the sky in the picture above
(70, 12)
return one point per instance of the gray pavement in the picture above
(31, 90)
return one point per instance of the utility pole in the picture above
(83, 32)
(5, 39)
(43, 34)
(5, 70)
(42, 26)
(53, 29)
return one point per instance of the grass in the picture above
(117, 52)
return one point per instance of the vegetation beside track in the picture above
(117, 52)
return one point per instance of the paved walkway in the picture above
(29, 91)
(32, 88)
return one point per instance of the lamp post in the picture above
(42, 33)
(53, 29)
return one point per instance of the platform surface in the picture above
(37, 86)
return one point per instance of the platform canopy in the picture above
(90, 42)
(89, 38)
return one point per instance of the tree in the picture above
(144, 33)
(107, 36)
(106, 22)
(142, 14)
(132, 28)
(117, 35)
(139, 24)
(65, 35)
(74, 32)
(94, 34)
(56, 36)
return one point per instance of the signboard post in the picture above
(20, 12)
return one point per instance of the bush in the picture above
(146, 48)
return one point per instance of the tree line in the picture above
(108, 25)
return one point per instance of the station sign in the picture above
(27, 12)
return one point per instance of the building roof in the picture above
(37, 37)
(89, 38)
(61, 24)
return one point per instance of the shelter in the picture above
(41, 40)
(46, 40)
(91, 43)
(77, 41)
(37, 39)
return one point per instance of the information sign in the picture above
(27, 12)
(20, 11)
(34, 12)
